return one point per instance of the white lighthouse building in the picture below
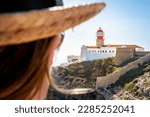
(101, 50)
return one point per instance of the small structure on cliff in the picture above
(73, 59)
(122, 52)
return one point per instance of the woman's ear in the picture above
(53, 45)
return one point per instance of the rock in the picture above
(83, 75)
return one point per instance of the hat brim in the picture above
(23, 27)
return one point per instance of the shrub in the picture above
(129, 87)
(147, 69)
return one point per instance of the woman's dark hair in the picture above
(23, 68)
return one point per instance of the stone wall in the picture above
(113, 77)
(124, 54)
(142, 53)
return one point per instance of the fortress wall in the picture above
(142, 53)
(123, 54)
(113, 77)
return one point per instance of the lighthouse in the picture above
(100, 38)
(102, 51)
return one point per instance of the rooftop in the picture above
(117, 46)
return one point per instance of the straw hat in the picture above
(22, 27)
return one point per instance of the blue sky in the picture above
(123, 22)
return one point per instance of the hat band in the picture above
(8, 6)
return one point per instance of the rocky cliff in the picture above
(135, 84)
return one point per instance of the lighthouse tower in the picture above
(100, 38)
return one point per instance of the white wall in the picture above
(97, 53)
(83, 53)
(139, 49)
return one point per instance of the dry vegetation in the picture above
(83, 74)
(135, 84)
